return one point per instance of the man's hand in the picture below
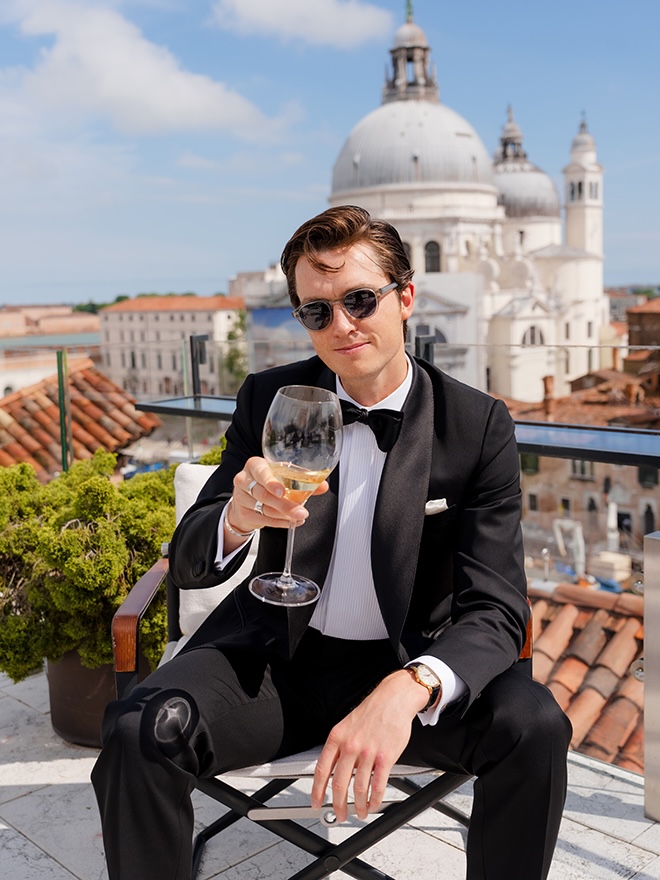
(256, 482)
(366, 745)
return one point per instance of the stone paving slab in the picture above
(50, 829)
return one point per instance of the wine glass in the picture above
(301, 443)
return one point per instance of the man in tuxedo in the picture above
(412, 649)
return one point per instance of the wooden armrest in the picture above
(127, 617)
(526, 652)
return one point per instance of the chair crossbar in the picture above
(407, 786)
(329, 857)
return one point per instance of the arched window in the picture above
(432, 256)
(571, 192)
(579, 190)
(533, 336)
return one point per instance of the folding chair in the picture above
(185, 613)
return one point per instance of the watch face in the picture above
(427, 676)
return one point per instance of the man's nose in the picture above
(342, 321)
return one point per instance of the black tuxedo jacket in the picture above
(450, 584)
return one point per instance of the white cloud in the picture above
(343, 24)
(100, 64)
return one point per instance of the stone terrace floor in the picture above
(49, 826)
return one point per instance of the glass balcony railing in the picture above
(587, 420)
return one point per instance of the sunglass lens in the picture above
(315, 315)
(361, 303)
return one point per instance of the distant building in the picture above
(621, 299)
(145, 341)
(507, 296)
(644, 338)
(17, 321)
(580, 490)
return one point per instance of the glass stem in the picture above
(285, 579)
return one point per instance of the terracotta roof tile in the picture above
(555, 638)
(569, 674)
(631, 756)
(603, 680)
(621, 650)
(583, 713)
(177, 304)
(607, 736)
(630, 688)
(103, 416)
(587, 642)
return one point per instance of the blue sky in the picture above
(168, 144)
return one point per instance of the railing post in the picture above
(652, 676)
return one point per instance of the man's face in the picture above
(367, 354)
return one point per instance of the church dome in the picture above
(409, 35)
(523, 189)
(411, 142)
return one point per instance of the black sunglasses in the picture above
(362, 303)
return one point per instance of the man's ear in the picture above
(407, 300)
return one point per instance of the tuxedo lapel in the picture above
(399, 515)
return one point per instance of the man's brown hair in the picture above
(342, 227)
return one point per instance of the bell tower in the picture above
(583, 192)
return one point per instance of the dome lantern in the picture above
(412, 76)
(524, 190)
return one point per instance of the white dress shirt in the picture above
(348, 606)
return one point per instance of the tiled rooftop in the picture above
(177, 304)
(607, 403)
(585, 642)
(103, 416)
(49, 826)
(653, 305)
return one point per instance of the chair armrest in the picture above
(126, 621)
(526, 653)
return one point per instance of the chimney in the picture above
(549, 398)
(616, 360)
(631, 393)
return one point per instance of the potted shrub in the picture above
(70, 551)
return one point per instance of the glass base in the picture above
(270, 588)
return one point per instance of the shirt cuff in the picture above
(221, 560)
(453, 687)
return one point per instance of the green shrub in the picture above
(70, 551)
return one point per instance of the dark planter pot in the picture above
(78, 697)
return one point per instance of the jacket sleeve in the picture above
(194, 544)
(489, 610)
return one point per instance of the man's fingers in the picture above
(324, 767)
(379, 779)
(362, 787)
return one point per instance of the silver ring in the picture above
(250, 488)
(259, 507)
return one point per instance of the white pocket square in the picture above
(437, 505)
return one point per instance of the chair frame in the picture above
(329, 857)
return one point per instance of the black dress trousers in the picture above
(208, 711)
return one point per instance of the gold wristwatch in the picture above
(426, 676)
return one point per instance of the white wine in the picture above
(299, 482)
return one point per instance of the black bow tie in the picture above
(385, 423)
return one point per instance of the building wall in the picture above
(148, 353)
(561, 488)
